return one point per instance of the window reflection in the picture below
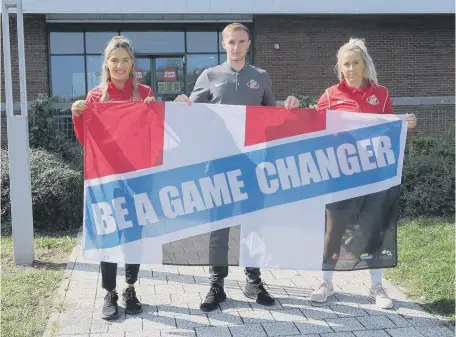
(195, 66)
(221, 49)
(222, 58)
(94, 71)
(96, 42)
(201, 42)
(157, 42)
(68, 78)
(67, 43)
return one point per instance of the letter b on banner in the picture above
(104, 221)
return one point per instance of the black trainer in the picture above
(257, 292)
(215, 295)
(110, 308)
(131, 302)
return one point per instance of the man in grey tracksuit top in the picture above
(225, 85)
(233, 83)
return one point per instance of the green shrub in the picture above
(56, 166)
(307, 101)
(43, 135)
(428, 185)
(57, 192)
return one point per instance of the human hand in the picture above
(78, 108)
(182, 99)
(150, 99)
(291, 103)
(411, 120)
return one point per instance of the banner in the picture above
(203, 184)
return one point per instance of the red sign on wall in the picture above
(170, 74)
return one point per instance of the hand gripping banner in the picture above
(203, 184)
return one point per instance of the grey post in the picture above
(18, 143)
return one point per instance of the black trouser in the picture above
(219, 239)
(218, 259)
(109, 274)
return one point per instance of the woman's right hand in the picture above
(182, 99)
(78, 108)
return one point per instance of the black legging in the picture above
(109, 274)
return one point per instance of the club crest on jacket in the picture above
(252, 84)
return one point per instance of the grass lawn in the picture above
(427, 264)
(28, 292)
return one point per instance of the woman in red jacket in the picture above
(357, 91)
(118, 83)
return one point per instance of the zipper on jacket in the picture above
(236, 81)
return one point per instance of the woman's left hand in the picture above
(291, 103)
(411, 120)
(150, 99)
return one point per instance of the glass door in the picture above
(165, 75)
(144, 70)
(169, 80)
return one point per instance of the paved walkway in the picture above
(171, 296)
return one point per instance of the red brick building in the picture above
(414, 54)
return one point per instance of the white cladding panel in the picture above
(239, 6)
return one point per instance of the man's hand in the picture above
(150, 99)
(411, 120)
(182, 99)
(291, 103)
(78, 108)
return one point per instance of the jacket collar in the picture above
(126, 91)
(228, 67)
(368, 88)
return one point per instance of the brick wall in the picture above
(414, 56)
(36, 61)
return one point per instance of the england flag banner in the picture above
(206, 184)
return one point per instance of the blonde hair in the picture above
(117, 42)
(235, 26)
(358, 45)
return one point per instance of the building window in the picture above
(67, 77)
(67, 43)
(76, 59)
(96, 42)
(203, 51)
(196, 63)
(202, 42)
(156, 42)
(222, 50)
(94, 70)
(69, 62)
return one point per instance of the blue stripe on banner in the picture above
(149, 206)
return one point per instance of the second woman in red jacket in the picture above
(118, 83)
(357, 91)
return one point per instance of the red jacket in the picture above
(115, 94)
(371, 98)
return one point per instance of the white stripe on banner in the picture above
(282, 227)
